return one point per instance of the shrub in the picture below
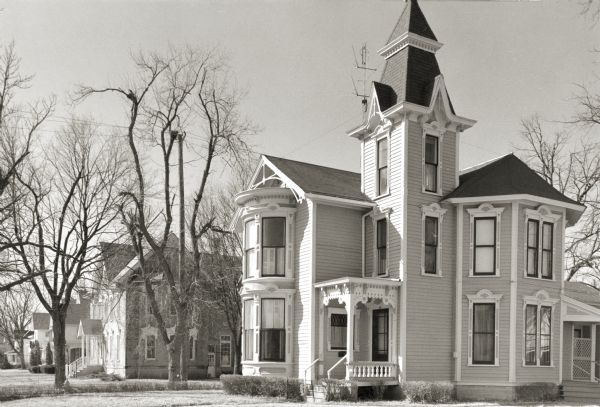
(537, 392)
(35, 357)
(48, 369)
(35, 369)
(49, 357)
(338, 390)
(268, 386)
(429, 392)
(4, 363)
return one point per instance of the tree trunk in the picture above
(58, 330)
(172, 371)
(237, 353)
(184, 361)
(21, 354)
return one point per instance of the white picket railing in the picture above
(74, 367)
(371, 370)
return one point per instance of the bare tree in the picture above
(70, 200)
(591, 8)
(572, 167)
(185, 89)
(18, 126)
(16, 312)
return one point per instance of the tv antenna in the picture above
(363, 68)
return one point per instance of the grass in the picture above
(20, 384)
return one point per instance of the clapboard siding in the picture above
(339, 241)
(528, 287)
(497, 285)
(369, 167)
(303, 285)
(430, 300)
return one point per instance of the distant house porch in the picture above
(357, 330)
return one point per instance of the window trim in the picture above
(247, 272)
(438, 130)
(485, 210)
(385, 136)
(433, 210)
(484, 297)
(473, 335)
(542, 214)
(540, 299)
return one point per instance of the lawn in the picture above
(208, 396)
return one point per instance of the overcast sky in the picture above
(502, 60)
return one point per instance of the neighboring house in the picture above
(13, 357)
(121, 337)
(412, 270)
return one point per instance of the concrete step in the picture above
(90, 370)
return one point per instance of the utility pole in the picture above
(182, 280)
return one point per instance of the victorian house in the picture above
(412, 270)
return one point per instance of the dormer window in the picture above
(430, 181)
(382, 166)
(273, 247)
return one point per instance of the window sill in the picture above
(497, 275)
(539, 278)
(538, 366)
(438, 274)
(482, 365)
(431, 193)
(385, 195)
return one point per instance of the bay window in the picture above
(484, 333)
(382, 247)
(273, 246)
(248, 330)
(484, 247)
(431, 245)
(272, 330)
(382, 166)
(250, 247)
(531, 335)
(431, 164)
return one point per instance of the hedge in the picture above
(267, 386)
(429, 392)
(537, 392)
(48, 369)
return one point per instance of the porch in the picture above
(581, 355)
(357, 330)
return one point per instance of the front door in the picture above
(380, 349)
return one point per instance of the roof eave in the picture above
(338, 201)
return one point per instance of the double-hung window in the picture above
(431, 163)
(225, 350)
(484, 333)
(547, 249)
(382, 166)
(250, 247)
(484, 247)
(150, 347)
(272, 330)
(538, 335)
(273, 246)
(248, 330)
(338, 331)
(382, 247)
(533, 226)
(431, 245)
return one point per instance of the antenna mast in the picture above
(364, 69)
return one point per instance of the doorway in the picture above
(380, 335)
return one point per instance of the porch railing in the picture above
(74, 367)
(332, 368)
(371, 370)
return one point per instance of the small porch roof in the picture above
(354, 290)
(577, 311)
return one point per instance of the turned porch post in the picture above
(349, 336)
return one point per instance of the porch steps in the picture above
(581, 392)
(88, 370)
(316, 394)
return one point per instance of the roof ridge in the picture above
(482, 164)
(314, 165)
